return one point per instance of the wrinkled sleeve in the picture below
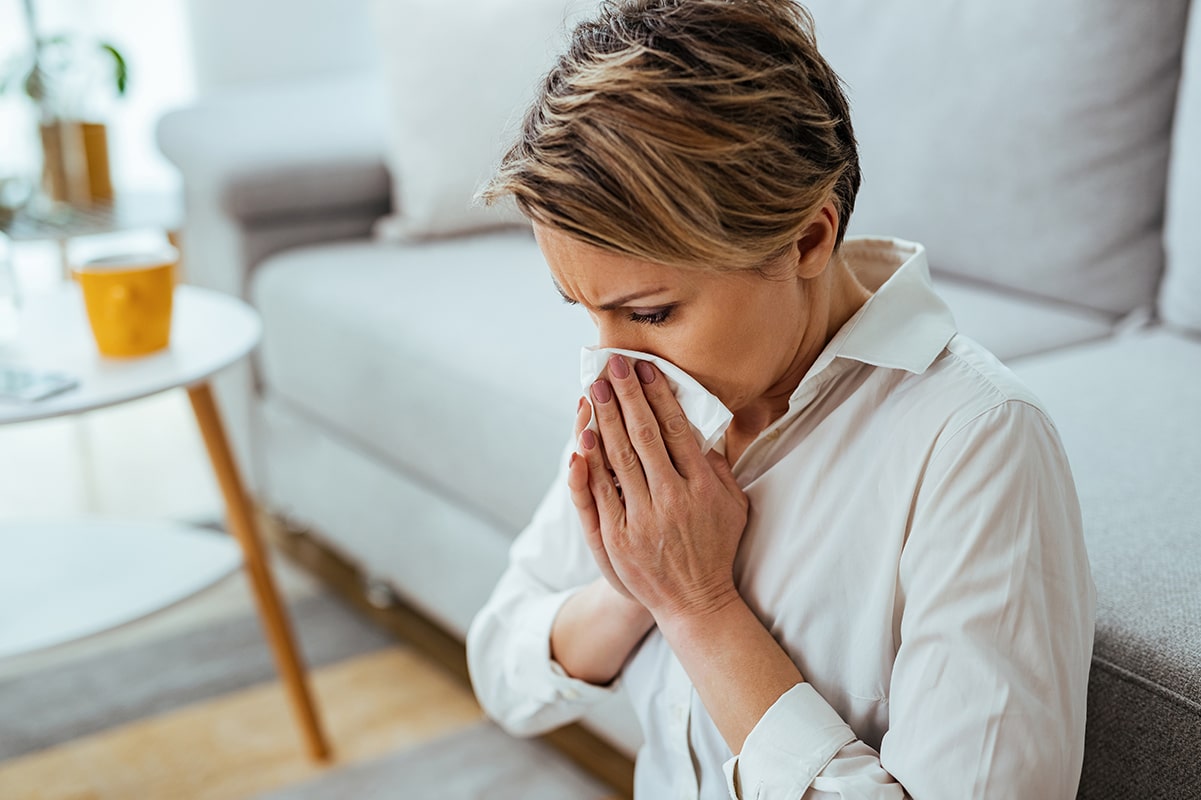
(987, 696)
(508, 644)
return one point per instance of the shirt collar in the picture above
(904, 324)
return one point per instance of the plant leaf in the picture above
(35, 86)
(120, 68)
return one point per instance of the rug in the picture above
(77, 699)
(202, 716)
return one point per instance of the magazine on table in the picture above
(29, 385)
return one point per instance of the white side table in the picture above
(209, 331)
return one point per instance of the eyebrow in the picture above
(614, 305)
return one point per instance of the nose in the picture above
(620, 336)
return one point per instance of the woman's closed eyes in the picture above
(652, 316)
(644, 316)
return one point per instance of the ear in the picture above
(816, 245)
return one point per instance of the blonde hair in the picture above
(698, 133)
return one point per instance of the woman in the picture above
(877, 587)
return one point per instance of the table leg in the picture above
(242, 524)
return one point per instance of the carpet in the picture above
(77, 699)
(201, 716)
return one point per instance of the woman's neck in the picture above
(835, 297)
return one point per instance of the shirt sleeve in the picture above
(508, 644)
(987, 695)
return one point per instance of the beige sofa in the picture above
(409, 401)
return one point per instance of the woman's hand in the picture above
(669, 536)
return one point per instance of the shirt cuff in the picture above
(790, 745)
(530, 667)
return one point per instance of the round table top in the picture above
(209, 331)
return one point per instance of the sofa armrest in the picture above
(275, 166)
(280, 150)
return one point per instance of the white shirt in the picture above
(914, 544)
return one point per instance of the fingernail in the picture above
(645, 373)
(619, 367)
(602, 392)
(588, 438)
(579, 405)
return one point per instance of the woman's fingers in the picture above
(582, 499)
(630, 431)
(615, 446)
(583, 413)
(609, 505)
(674, 427)
(581, 496)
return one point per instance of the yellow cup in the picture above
(128, 300)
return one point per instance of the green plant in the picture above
(58, 77)
(61, 69)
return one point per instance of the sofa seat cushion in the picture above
(1013, 326)
(1127, 410)
(453, 360)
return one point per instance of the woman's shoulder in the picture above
(964, 384)
(985, 378)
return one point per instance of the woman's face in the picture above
(740, 334)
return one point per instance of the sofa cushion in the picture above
(451, 115)
(1074, 98)
(454, 361)
(1180, 298)
(1127, 411)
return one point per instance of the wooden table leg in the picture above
(242, 524)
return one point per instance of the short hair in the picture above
(695, 133)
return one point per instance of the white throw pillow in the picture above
(459, 77)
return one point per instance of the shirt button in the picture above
(771, 437)
(680, 712)
(571, 694)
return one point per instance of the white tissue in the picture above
(708, 416)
